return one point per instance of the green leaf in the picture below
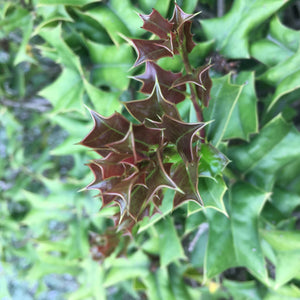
(242, 290)
(66, 92)
(287, 292)
(56, 13)
(128, 13)
(161, 5)
(280, 51)
(238, 242)
(22, 55)
(18, 18)
(282, 240)
(66, 56)
(212, 192)
(277, 145)
(285, 201)
(212, 161)
(220, 255)
(135, 266)
(232, 30)
(287, 249)
(106, 103)
(170, 246)
(112, 23)
(244, 119)
(111, 64)
(224, 98)
(246, 204)
(65, 2)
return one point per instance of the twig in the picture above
(220, 8)
(38, 104)
(201, 229)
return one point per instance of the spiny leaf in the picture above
(181, 134)
(186, 178)
(180, 17)
(165, 78)
(150, 50)
(200, 77)
(106, 130)
(157, 24)
(153, 108)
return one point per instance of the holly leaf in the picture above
(157, 24)
(180, 17)
(212, 191)
(234, 27)
(271, 151)
(183, 135)
(200, 77)
(225, 97)
(106, 130)
(153, 108)
(185, 175)
(212, 162)
(150, 50)
(280, 52)
(238, 239)
(165, 78)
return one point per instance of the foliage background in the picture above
(56, 56)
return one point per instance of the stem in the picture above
(188, 70)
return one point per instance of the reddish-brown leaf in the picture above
(202, 81)
(186, 178)
(165, 79)
(157, 24)
(150, 50)
(153, 108)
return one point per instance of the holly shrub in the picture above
(193, 169)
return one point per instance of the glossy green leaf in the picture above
(171, 285)
(106, 103)
(112, 23)
(242, 290)
(237, 236)
(244, 119)
(65, 2)
(285, 201)
(66, 92)
(282, 240)
(22, 55)
(277, 145)
(219, 256)
(287, 85)
(279, 51)
(170, 246)
(55, 14)
(212, 161)
(287, 292)
(111, 64)
(212, 191)
(17, 17)
(135, 266)
(281, 43)
(224, 98)
(234, 27)
(126, 11)
(287, 249)
(53, 36)
(161, 5)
